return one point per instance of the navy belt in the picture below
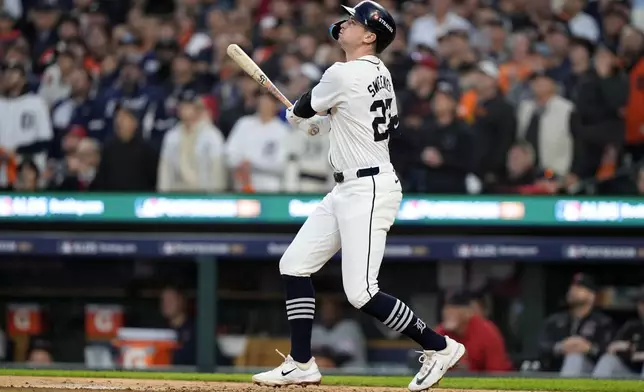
(370, 171)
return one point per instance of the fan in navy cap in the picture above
(46, 14)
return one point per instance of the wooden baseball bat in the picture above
(251, 68)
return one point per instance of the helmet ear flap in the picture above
(334, 29)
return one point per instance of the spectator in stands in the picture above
(28, 177)
(8, 32)
(601, 101)
(174, 310)
(496, 35)
(480, 304)
(41, 32)
(573, 340)
(580, 23)
(557, 50)
(632, 49)
(494, 124)
(522, 176)
(129, 163)
(238, 97)
(307, 169)
(82, 165)
(192, 155)
(548, 122)
(581, 53)
(26, 120)
(637, 186)
(625, 354)
(426, 30)
(159, 68)
(614, 18)
(446, 145)
(460, 56)
(337, 341)
(76, 110)
(55, 84)
(520, 64)
(257, 149)
(416, 102)
(182, 79)
(132, 91)
(59, 164)
(68, 28)
(485, 347)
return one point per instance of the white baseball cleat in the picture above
(290, 373)
(435, 364)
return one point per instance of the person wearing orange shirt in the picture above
(486, 351)
(632, 49)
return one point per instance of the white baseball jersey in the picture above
(363, 107)
(308, 168)
(25, 120)
(264, 146)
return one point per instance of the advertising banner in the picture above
(523, 249)
(276, 209)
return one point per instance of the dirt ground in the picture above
(62, 384)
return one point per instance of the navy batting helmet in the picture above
(375, 18)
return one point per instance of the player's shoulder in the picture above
(337, 71)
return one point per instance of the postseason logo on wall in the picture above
(598, 211)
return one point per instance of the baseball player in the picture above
(355, 102)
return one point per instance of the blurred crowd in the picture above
(495, 96)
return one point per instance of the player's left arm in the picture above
(326, 95)
(316, 125)
(394, 120)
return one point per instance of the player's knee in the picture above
(290, 266)
(359, 296)
(287, 267)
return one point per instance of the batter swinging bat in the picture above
(248, 65)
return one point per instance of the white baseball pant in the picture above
(355, 216)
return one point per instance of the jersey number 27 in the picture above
(383, 117)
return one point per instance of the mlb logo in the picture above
(6, 206)
(568, 211)
(464, 251)
(148, 208)
(573, 252)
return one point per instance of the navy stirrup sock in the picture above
(399, 317)
(300, 311)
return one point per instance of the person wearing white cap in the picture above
(495, 123)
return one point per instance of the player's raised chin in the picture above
(353, 35)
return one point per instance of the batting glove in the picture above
(316, 125)
(292, 118)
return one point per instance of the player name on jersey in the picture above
(380, 82)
